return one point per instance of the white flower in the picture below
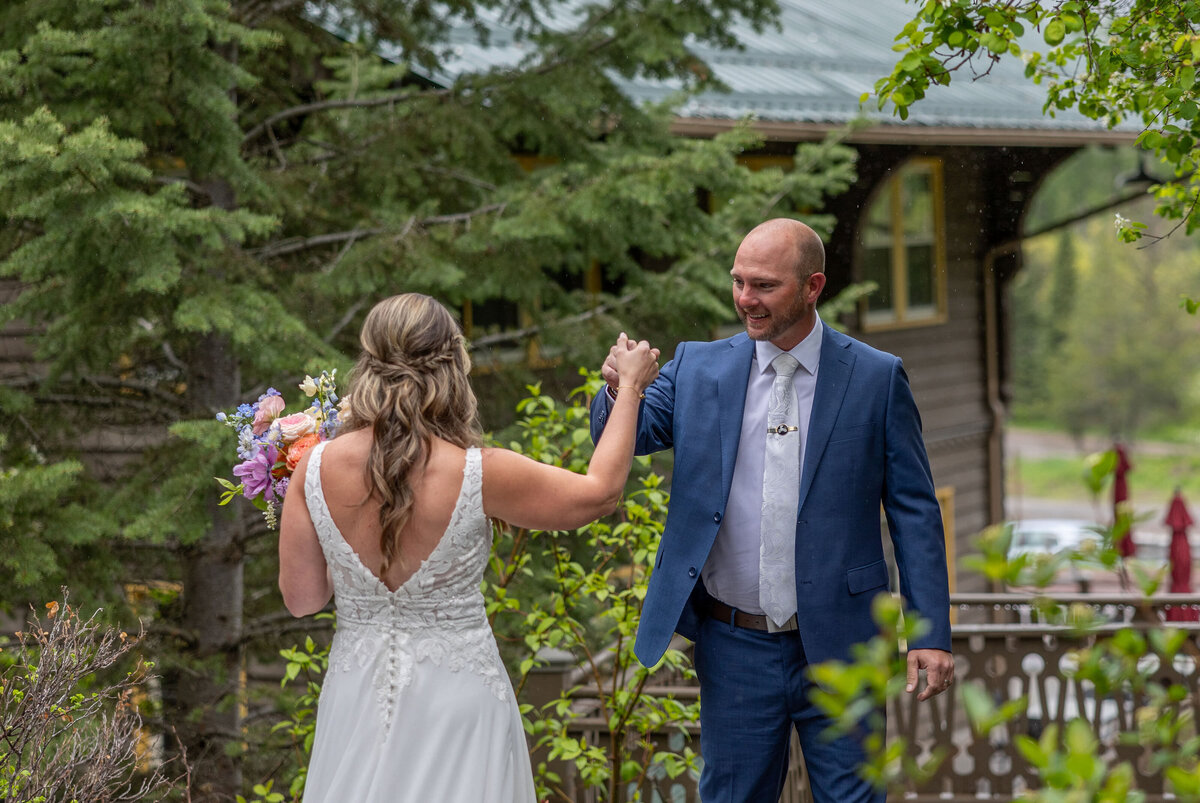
(309, 386)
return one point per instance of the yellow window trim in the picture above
(898, 265)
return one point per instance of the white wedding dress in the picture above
(416, 706)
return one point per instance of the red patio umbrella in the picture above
(1178, 519)
(1121, 494)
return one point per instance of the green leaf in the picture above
(1073, 21)
(1187, 76)
(1055, 31)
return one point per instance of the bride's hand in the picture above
(637, 363)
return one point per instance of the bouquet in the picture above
(270, 442)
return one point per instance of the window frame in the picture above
(892, 188)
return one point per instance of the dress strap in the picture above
(314, 495)
(473, 480)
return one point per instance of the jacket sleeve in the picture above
(914, 516)
(655, 428)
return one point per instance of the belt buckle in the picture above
(788, 626)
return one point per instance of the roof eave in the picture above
(911, 134)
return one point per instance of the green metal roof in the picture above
(810, 73)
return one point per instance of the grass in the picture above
(1153, 478)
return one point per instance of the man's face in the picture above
(768, 295)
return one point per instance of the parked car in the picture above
(1051, 536)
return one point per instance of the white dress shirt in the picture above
(731, 572)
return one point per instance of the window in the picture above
(902, 249)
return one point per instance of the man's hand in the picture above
(939, 671)
(608, 371)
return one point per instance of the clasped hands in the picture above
(630, 364)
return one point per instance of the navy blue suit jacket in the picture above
(864, 449)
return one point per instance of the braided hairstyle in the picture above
(409, 386)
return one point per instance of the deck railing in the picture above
(1002, 642)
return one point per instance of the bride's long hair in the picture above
(409, 385)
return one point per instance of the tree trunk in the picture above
(208, 685)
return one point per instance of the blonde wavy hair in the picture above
(409, 385)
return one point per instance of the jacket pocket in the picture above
(864, 578)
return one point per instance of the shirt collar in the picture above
(807, 352)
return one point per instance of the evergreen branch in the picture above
(141, 387)
(555, 62)
(345, 319)
(253, 12)
(462, 217)
(339, 103)
(294, 244)
(334, 152)
(529, 331)
(169, 353)
(106, 382)
(192, 186)
(463, 177)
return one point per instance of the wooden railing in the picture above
(1001, 642)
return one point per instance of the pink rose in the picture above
(268, 410)
(296, 425)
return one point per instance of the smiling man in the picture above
(787, 440)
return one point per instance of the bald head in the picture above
(796, 245)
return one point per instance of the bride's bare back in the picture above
(435, 490)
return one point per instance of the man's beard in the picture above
(779, 324)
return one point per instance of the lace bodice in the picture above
(437, 615)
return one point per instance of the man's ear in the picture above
(813, 287)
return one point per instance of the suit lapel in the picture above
(833, 377)
(732, 373)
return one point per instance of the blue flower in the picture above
(247, 445)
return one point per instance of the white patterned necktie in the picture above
(781, 497)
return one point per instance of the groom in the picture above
(787, 440)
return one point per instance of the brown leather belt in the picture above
(751, 621)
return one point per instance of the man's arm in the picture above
(915, 524)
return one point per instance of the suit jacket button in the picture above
(717, 517)
(691, 571)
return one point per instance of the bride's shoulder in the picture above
(349, 446)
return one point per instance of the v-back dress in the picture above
(416, 706)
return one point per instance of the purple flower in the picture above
(255, 474)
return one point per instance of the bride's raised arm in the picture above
(526, 493)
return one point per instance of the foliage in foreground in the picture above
(1067, 763)
(70, 725)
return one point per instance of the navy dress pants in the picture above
(753, 691)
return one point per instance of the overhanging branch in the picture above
(520, 334)
(294, 244)
(341, 103)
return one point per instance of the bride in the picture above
(393, 523)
